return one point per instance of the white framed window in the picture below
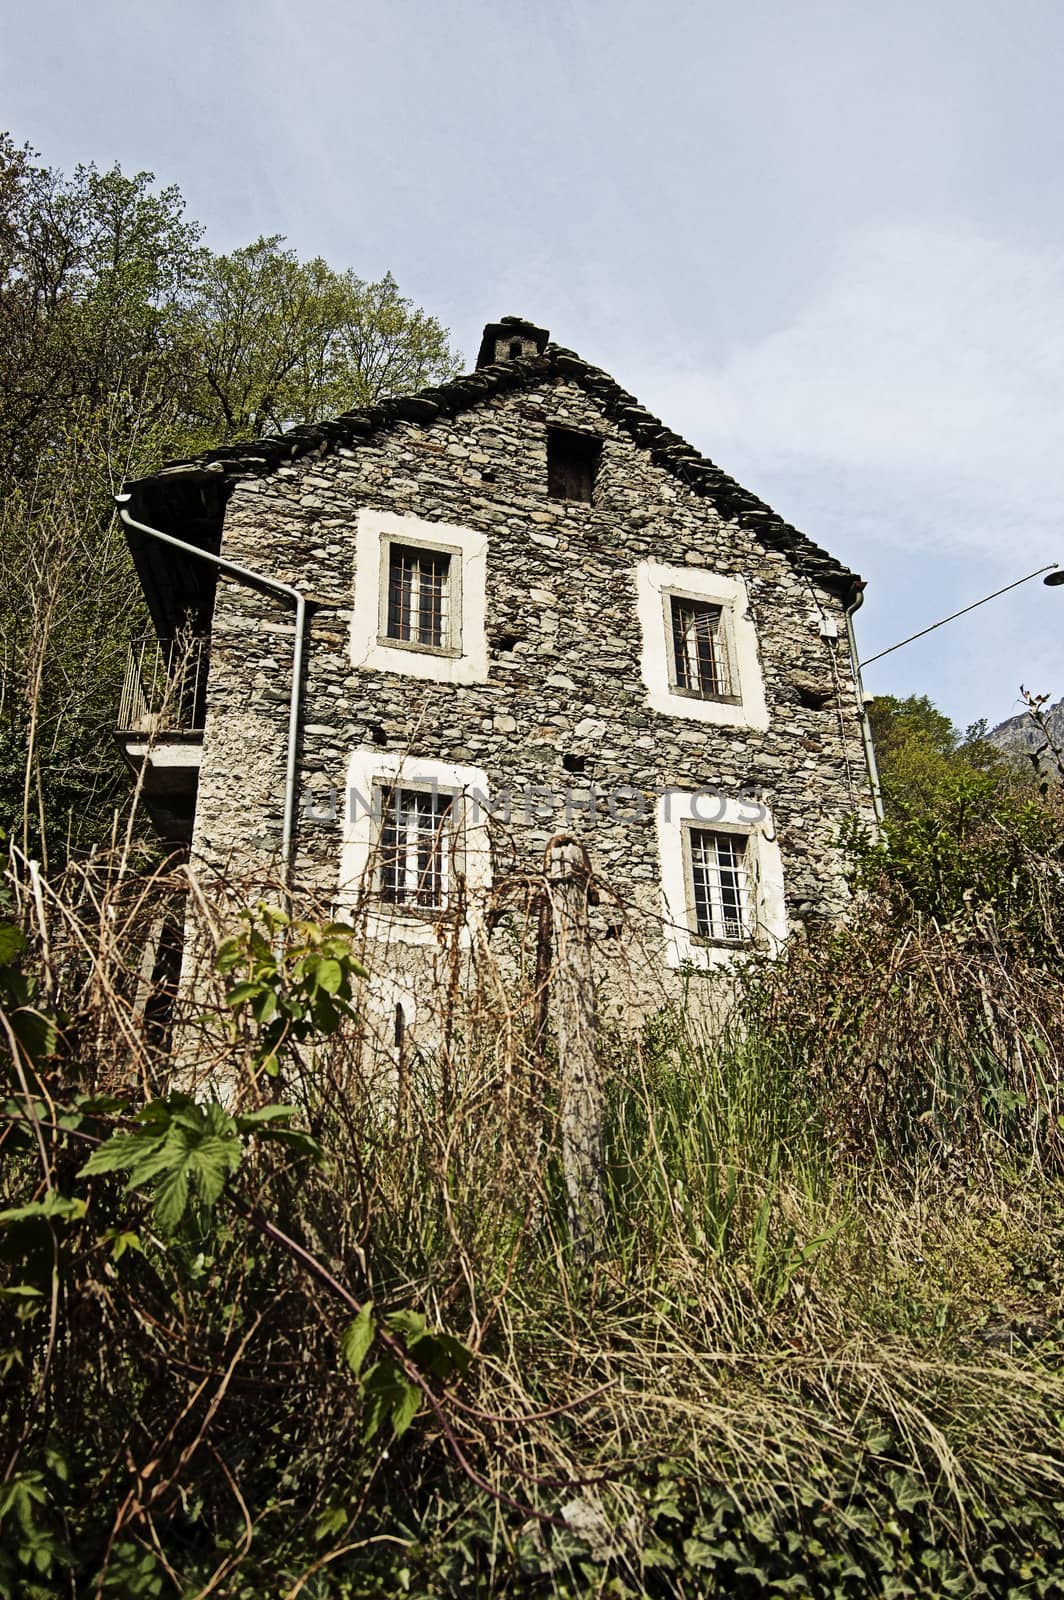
(718, 883)
(721, 878)
(420, 598)
(699, 656)
(418, 607)
(416, 846)
(700, 649)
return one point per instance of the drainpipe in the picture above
(254, 580)
(862, 714)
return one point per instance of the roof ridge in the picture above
(262, 456)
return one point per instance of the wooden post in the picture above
(568, 873)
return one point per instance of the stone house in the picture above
(468, 619)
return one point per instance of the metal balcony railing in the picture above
(165, 689)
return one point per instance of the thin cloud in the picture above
(923, 379)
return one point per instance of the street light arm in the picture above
(962, 612)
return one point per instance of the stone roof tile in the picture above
(260, 457)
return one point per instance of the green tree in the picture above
(924, 761)
(966, 829)
(97, 271)
(272, 341)
(125, 342)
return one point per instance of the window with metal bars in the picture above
(720, 890)
(699, 648)
(416, 848)
(418, 596)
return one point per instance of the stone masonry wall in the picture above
(564, 642)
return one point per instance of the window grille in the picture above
(720, 882)
(700, 657)
(415, 847)
(418, 596)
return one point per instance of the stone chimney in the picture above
(510, 339)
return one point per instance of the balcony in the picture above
(160, 727)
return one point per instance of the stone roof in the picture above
(259, 457)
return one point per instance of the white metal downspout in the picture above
(254, 580)
(862, 713)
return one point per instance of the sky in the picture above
(823, 240)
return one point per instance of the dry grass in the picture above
(820, 1345)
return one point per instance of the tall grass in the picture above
(818, 1352)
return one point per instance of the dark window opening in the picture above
(418, 598)
(378, 735)
(572, 462)
(516, 348)
(574, 763)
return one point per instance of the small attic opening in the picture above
(572, 464)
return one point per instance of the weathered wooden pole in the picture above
(582, 1103)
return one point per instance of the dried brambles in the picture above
(818, 1351)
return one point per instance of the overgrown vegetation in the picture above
(318, 1329)
(331, 1339)
(125, 342)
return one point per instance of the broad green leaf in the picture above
(265, 1008)
(383, 1389)
(296, 1140)
(212, 1161)
(249, 1120)
(53, 1205)
(171, 1199)
(36, 1032)
(119, 1153)
(164, 1155)
(699, 1554)
(12, 941)
(240, 993)
(409, 1324)
(405, 1408)
(228, 955)
(357, 1338)
(330, 976)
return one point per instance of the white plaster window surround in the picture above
(456, 559)
(687, 825)
(463, 844)
(740, 702)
